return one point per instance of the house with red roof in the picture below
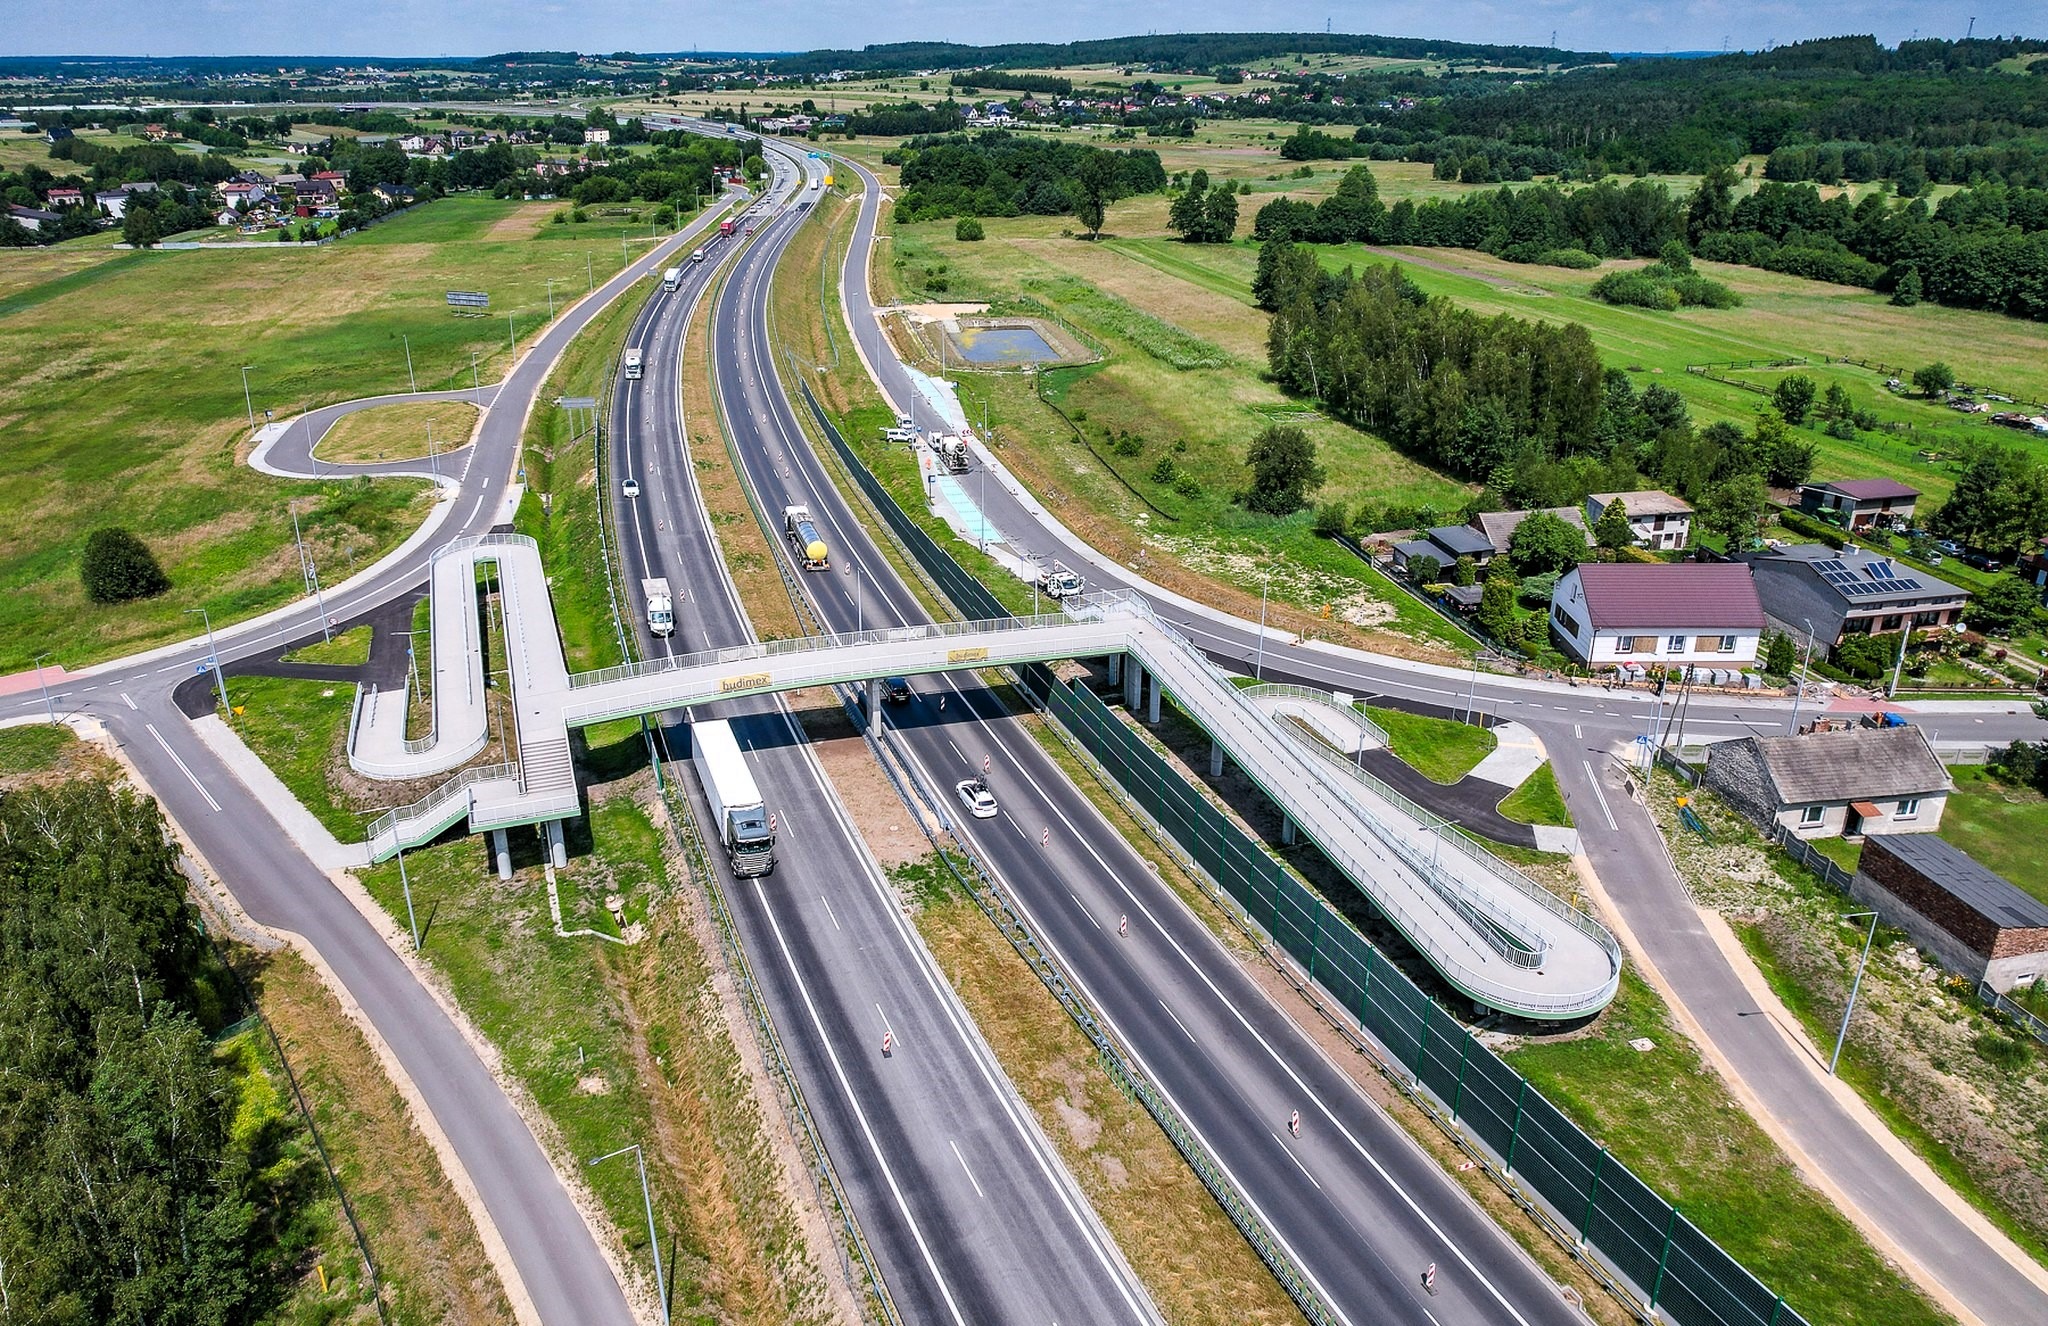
(1856, 504)
(1658, 614)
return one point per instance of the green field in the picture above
(1441, 749)
(122, 397)
(2000, 825)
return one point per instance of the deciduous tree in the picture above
(1284, 470)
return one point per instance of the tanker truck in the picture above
(803, 536)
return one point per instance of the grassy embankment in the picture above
(1538, 800)
(108, 424)
(1441, 749)
(349, 648)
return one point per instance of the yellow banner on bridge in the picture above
(967, 655)
(753, 681)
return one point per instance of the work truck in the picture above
(739, 816)
(952, 452)
(1056, 582)
(661, 613)
(803, 536)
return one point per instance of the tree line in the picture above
(1003, 174)
(127, 1194)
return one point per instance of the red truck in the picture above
(725, 228)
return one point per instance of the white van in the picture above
(671, 278)
(698, 256)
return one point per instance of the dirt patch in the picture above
(890, 830)
(522, 224)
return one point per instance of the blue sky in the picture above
(477, 27)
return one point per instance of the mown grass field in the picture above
(122, 398)
(2000, 825)
(398, 432)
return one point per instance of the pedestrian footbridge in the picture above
(1491, 931)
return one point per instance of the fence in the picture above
(1593, 1203)
(2022, 1017)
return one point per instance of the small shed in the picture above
(1972, 921)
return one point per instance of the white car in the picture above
(974, 795)
(630, 488)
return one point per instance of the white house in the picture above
(1657, 614)
(1658, 519)
(1842, 783)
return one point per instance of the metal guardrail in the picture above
(2022, 1016)
(392, 821)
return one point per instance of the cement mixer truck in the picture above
(803, 536)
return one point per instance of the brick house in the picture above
(1972, 921)
(1833, 784)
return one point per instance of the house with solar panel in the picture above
(1810, 587)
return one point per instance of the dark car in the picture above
(895, 690)
(1983, 561)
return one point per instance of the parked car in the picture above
(1983, 561)
(1950, 546)
(974, 794)
(630, 488)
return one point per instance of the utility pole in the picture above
(410, 376)
(511, 336)
(653, 1238)
(1899, 663)
(589, 272)
(1799, 688)
(433, 456)
(248, 402)
(476, 383)
(308, 571)
(220, 682)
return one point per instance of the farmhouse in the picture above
(1830, 784)
(1972, 921)
(1662, 614)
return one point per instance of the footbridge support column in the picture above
(1134, 684)
(1289, 835)
(501, 851)
(1152, 705)
(558, 846)
(1116, 669)
(1215, 759)
(874, 694)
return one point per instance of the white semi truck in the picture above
(671, 278)
(738, 814)
(661, 613)
(633, 362)
(803, 536)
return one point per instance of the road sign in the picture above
(468, 299)
(577, 402)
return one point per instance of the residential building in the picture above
(1810, 587)
(1657, 614)
(1658, 519)
(113, 201)
(1856, 504)
(65, 197)
(1446, 543)
(34, 218)
(395, 195)
(1827, 784)
(56, 134)
(1972, 921)
(1499, 526)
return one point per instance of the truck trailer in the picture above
(671, 278)
(661, 614)
(803, 536)
(726, 227)
(738, 814)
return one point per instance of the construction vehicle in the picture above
(803, 536)
(661, 616)
(633, 363)
(1057, 582)
(953, 452)
(738, 814)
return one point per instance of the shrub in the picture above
(1330, 518)
(1535, 591)
(1165, 471)
(1864, 657)
(1577, 259)
(967, 228)
(1128, 444)
(1424, 570)
(1634, 290)
(1187, 485)
(116, 567)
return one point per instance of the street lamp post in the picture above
(310, 572)
(653, 1238)
(220, 682)
(49, 705)
(476, 383)
(1259, 665)
(248, 401)
(433, 456)
(589, 272)
(1472, 692)
(551, 299)
(1843, 1034)
(1806, 670)
(410, 376)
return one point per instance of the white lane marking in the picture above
(473, 510)
(1599, 792)
(131, 703)
(184, 767)
(1078, 903)
(828, 911)
(860, 1115)
(957, 751)
(1579, 730)
(885, 1022)
(1296, 1159)
(964, 1169)
(1178, 1023)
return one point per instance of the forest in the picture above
(128, 1192)
(1005, 174)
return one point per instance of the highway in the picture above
(553, 1267)
(971, 1216)
(1362, 1207)
(1585, 728)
